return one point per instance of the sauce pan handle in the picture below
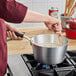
(19, 35)
(23, 36)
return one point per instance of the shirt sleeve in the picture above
(12, 11)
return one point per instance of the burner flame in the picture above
(46, 66)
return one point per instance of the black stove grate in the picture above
(66, 68)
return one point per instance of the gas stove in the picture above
(26, 65)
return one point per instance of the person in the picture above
(15, 12)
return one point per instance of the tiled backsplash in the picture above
(41, 6)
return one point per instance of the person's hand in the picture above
(10, 32)
(54, 24)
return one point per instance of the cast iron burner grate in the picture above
(66, 68)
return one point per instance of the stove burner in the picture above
(34, 68)
(46, 66)
(54, 66)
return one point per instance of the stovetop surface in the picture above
(26, 65)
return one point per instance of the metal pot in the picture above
(48, 54)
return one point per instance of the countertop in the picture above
(23, 46)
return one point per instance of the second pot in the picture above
(70, 33)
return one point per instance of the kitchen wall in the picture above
(41, 6)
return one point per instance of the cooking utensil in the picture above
(73, 10)
(69, 6)
(60, 40)
(46, 48)
(66, 7)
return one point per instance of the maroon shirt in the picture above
(10, 11)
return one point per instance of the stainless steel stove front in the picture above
(17, 66)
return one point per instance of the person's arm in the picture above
(12, 11)
(15, 12)
(32, 16)
(50, 22)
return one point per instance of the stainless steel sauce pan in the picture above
(53, 54)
